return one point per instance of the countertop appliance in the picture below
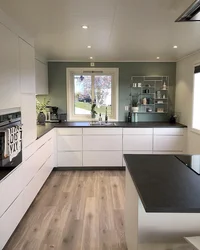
(52, 114)
(10, 141)
(191, 161)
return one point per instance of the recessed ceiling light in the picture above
(175, 47)
(89, 46)
(84, 27)
(158, 58)
(91, 57)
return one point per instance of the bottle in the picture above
(106, 116)
(100, 118)
(129, 117)
(164, 86)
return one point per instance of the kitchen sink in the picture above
(103, 124)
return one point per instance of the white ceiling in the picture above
(119, 30)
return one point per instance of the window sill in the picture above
(196, 131)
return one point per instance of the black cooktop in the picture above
(191, 161)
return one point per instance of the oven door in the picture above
(11, 146)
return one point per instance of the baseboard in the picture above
(88, 168)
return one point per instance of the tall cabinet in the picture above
(28, 91)
(9, 69)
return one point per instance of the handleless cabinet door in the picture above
(28, 110)
(102, 142)
(138, 142)
(27, 67)
(168, 143)
(102, 158)
(69, 143)
(41, 74)
(9, 69)
(70, 159)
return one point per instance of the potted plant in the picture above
(135, 107)
(93, 111)
(40, 109)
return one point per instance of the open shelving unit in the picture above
(152, 90)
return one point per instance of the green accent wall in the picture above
(57, 82)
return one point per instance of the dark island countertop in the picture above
(43, 129)
(164, 183)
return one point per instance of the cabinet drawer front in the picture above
(137, 131)
(168, 143)
(102, 158)
(12, 217)
(102, 131)
(69, 159)
(135, 152)
(69, 143)
(69, 131)
(138, 142)
(102, 142)
(168, 131)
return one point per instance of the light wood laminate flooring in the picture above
(75, 210)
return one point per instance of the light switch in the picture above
(126, 108)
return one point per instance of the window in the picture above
(88, 86)
(196, 99)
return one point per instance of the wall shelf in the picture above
(153, 85)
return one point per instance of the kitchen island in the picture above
(162, 202)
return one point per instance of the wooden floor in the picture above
(80, 210)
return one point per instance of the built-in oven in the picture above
(10, 142)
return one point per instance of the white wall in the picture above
(184, 98)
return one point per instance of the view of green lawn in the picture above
(87, 106)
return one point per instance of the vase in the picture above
(93, 116)
(135, 109)
(41, 118)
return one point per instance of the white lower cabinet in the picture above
(102, 158)
(170, 143)
(69, 143)
(18, 190)
(11, 218)
(102, 142)
(138, 142)
(70, 159)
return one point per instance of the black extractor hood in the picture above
(192, 14)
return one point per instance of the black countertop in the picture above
(164, 183)
(43, 129)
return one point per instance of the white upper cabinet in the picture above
(9, 69)
(27, 67)
(41, 72)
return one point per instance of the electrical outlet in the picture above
(92, 64)
(126, 108)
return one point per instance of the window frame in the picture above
(193, 129)
(91, 71)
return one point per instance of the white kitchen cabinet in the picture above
(69, 143)
(102, 142)
(138, 142)
(69, 131)
(102, 131)
(11, 218)
(137, 131)
(102, 158)
(41, 74)
(168, 131)
(28, 118)
(18, 190)
(9, 69)
(27, 67)
(70, 159)
(168, 143)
